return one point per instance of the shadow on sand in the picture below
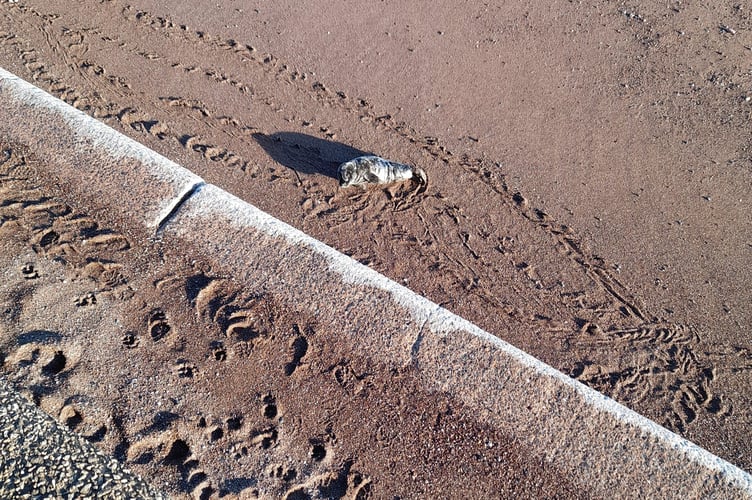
(305, 153)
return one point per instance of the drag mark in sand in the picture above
(96, 104)
(466, 274)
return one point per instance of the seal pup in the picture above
(376, 170)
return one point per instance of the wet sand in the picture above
(588, 169)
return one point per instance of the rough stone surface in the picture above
(41, 459)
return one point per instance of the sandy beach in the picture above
(588, 202)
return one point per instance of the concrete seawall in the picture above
(589, 437)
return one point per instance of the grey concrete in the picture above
(615, 451)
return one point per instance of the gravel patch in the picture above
(41, 459)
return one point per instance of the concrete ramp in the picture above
(587, 437)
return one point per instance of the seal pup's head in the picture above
(358, 171)
(348, 173)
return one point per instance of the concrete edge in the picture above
(130, 182)
(449, 350)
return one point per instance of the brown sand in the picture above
(588, 166)
(210, 389)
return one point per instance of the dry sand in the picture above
(589, 172)
(210, 389)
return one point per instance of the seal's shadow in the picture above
(305, 153)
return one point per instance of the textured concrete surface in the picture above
(588, 436)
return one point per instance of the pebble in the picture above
(40, 458)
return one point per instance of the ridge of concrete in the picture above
(588, 435)
(130, 183)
